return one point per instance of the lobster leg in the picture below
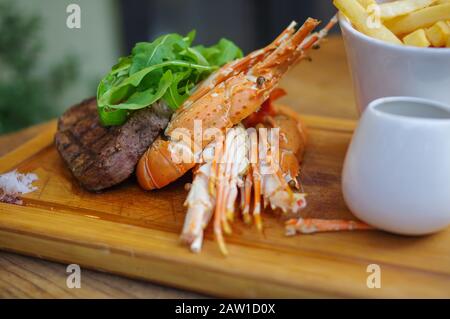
(314, 225)
(213, 178)
(246, 195)
(256, 176)
(218, 211)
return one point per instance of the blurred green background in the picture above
(45, 67)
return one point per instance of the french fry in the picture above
(390, 10)
(366, 3)
(417, 38)
(360, 19)
(442, 1)
(419, 19)
(448, 42)
(438, 33)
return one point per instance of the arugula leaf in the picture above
(221, 53)
(112, 117)
(162, 49)
(172, 96)
(147, 97)
(123, 90)
(191, 37)
(123, 66)
(167, 68)
(195, 55)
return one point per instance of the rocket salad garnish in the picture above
(167, 68)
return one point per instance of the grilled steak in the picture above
(100, 157)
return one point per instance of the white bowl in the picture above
(381, 69)
(396, 173)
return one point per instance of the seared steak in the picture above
(100, 157)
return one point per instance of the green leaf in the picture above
(114, 117)
(167, 68)
(190, 37)
(172, 96)
(221, 53)
(195, 55)
(122, 91)
(144, 98)
(164, 48)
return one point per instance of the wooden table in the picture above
(322, 87)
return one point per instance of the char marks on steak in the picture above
(100, 157)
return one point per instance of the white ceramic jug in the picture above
(396, 173)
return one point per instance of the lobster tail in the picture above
(156, 168)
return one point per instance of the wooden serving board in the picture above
(135, 233)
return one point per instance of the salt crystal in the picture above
(13, 184)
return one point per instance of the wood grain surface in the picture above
(322, 87)
(34, 278)
(27, 277)
(135, 233)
